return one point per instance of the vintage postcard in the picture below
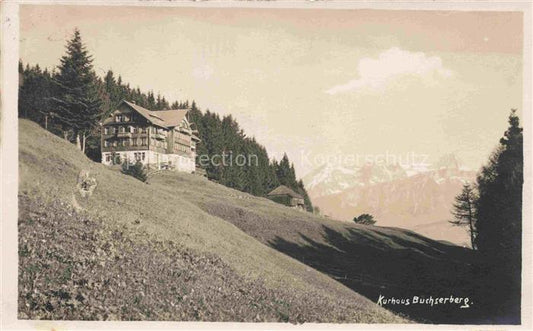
(342, 163)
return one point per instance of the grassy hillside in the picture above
(161, 251)
(371, 260)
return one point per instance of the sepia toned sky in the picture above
(314, 83)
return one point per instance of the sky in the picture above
(321, 85)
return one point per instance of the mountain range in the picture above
(395, 195)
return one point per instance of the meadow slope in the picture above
(163, 250)
(371, 260)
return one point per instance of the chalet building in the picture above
(158, 139)
(284, 195)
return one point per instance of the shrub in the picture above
(365, 219)
(136, 170)
(116, 159)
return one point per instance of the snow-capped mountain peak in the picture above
(408, 197)
(329, 179)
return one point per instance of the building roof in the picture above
(172, 117)
(163, 118)
(284, 190)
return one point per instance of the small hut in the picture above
(284, 195)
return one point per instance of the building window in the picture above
(106, 130)
(108, 157)
(134, 142)
(115, 143)
(143, 141)
(139, 156)
(106, 143)
(132, 129)
(118, 118)
(121, 129)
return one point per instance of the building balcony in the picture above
(124, 134)
(159, 136)
(183, 141)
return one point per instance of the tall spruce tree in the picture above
(285, 173)
(499, 224)
(500, 195)
(77, 98)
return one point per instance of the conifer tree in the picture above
(500, 194)
(499, 225)
(112, 87)
(464, 211)
(158, 103)
(77, 100)
(34, 94)
(285, 173)
(151, 103)
(271, 180)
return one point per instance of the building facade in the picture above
(158, 139)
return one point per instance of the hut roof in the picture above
(284, 190)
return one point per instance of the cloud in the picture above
(375, 73)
